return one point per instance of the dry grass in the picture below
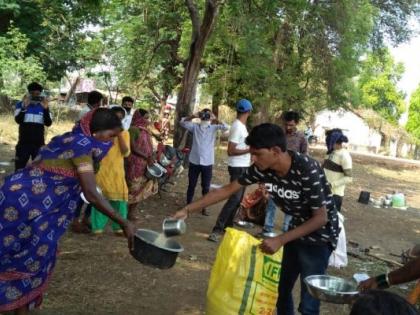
(395, 174)
(9, 129)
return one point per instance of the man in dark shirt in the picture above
(298, 185)
(32, 114)
(295, 141)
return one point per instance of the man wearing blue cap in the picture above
(238, 161)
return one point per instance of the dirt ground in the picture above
(97, 275)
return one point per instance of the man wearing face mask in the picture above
(202, 152)
(128, 104)
(32, 114)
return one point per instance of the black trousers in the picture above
(194, 172)
(226, 216)
(24, 152)
(338, 200)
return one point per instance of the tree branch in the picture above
(154, 92)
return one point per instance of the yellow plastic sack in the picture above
(243, 279)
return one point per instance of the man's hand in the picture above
(44, 103)
(368, 284)
(26, 101)
(272, 245)
(181, 214)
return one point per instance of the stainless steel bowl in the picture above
(332, 289)
(173, 227)
(270, 234)
(154, 171)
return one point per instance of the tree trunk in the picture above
(200, 35)
(5, 104)
(72, 89)
(215, 103)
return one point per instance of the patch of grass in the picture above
(399, 175)
(9, 129)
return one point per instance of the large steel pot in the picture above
(151, 248)
(332, 289)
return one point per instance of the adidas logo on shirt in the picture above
(282, 193)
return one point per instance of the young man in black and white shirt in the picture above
(298, 186)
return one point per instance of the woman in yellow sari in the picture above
(111, 180)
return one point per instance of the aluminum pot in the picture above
(332, 289)
(154, 171)
(152, 249)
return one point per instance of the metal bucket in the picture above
(153, 250)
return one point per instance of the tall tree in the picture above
(413, 123)
(143, 40)
(17, 69)
(201, 31)
(378, 85)
(288, 54)
(56, 30)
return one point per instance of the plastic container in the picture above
(398, 200)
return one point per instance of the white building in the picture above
(361, 136)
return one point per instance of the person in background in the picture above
(111, 180)
(95, 100)
(165, 126)
(141, 146)
(239, 160)
(32, 114)
(337, 164)
(297, 142)
(298, 185)
(37, 204)
(201, 157)
(377, 302)
(127, 103)
(81, 222)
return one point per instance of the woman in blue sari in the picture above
(38, 203)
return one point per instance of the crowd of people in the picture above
(105, 156)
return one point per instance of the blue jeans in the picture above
(270, 215)
(286, 222)
(194, 172)
(305, 260)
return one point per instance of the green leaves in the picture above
(16, 68)
(378, 85)
(413, 123)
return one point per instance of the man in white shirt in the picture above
(238, 161)
(201, 157)
(127, 103)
